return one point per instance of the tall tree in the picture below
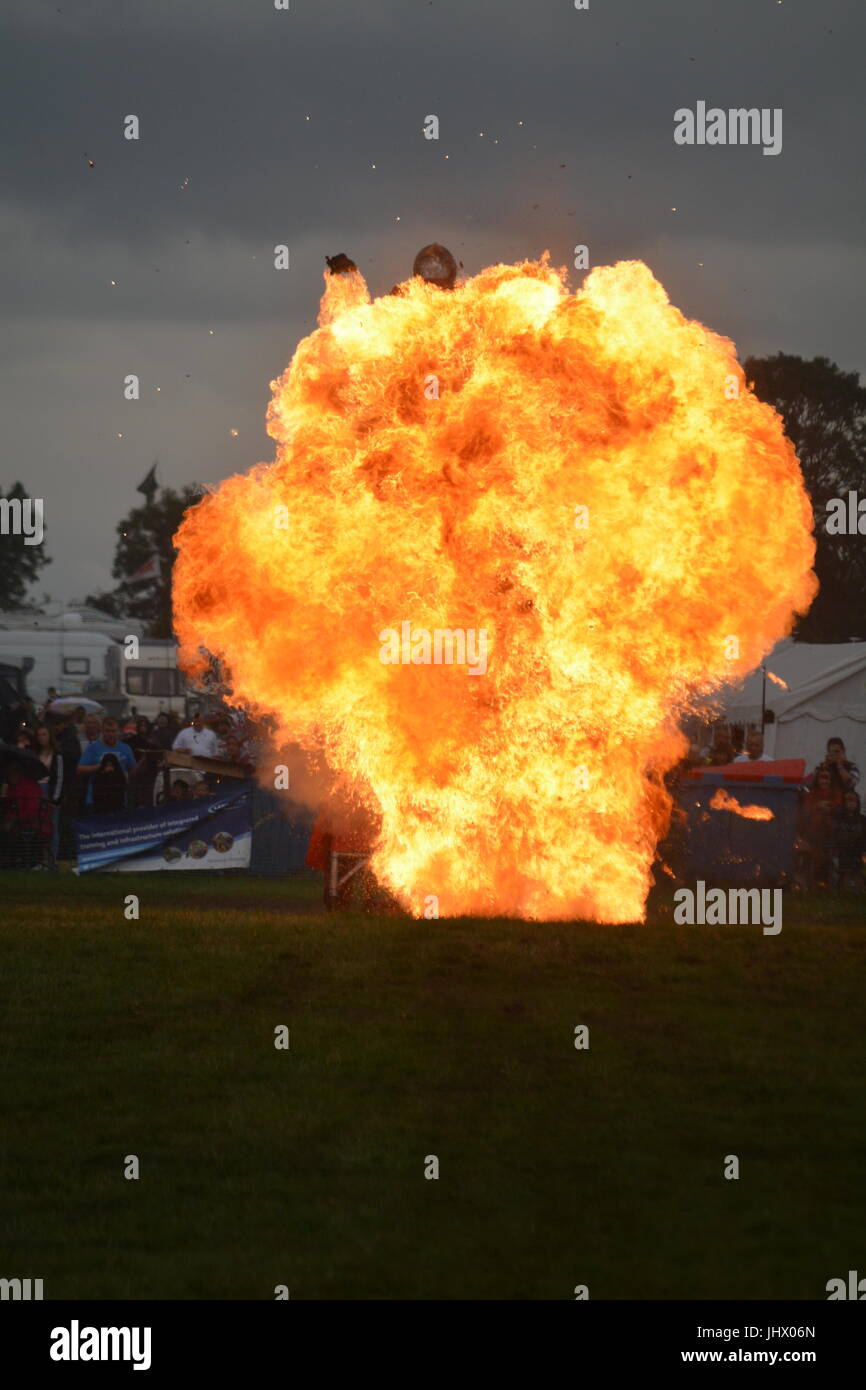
(824, 410)
(20, 563)
(144, 545)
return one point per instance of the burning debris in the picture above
(340, 264)
(723, 801)
(565, 473)
(436, 265)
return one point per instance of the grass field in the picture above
(305, 1167)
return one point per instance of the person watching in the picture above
(754, 749)
(844, 773)
(20, 801)
(146, 748)
(92, 765)
(848, 839)
(197, 738)
(109, 788)
(163, 732)
(91, 730)
(818, 806)
(51, 759)
(721, 753)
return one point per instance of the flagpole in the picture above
(763, 697)
(149, 486)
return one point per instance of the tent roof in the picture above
(807, 668)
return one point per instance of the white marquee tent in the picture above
(826, 696)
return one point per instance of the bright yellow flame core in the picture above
(433, 452)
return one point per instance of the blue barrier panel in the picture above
(722, 846)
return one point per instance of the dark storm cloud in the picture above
(223, 91)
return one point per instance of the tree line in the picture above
(824, 413)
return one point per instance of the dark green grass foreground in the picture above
(455, 1038)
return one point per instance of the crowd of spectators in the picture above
(77, 764)
(830, 844)
(832, 829)
(93, 764)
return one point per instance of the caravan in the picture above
(71, 660)
(151, 683)
(81, 651)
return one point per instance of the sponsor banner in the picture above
(212, 832)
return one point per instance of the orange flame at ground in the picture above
(562, 475)
(722, 801)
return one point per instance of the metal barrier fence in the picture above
(281, 834)
(28, 834)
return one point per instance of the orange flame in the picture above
(722, 801)
(565, 474)
(777, 680)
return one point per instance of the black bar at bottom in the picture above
(223, 1338)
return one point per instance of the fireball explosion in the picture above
(584, 478)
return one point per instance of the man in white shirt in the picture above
(198, 739)
(754, 749)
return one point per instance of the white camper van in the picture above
(70, 659)
(83, 652)
(151, 682)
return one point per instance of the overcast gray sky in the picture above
(261, 126)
